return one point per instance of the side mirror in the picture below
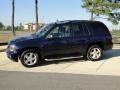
(50, 36)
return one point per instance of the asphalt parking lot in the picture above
(56, 81)
(108, 65)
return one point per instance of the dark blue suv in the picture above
(61, 40)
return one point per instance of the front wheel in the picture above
(94, 53)
(29, 58)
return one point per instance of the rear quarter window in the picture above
(99, 28)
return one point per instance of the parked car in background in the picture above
(62, 40)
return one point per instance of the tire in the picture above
(29, 58)
(94, 53)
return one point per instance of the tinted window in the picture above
(43, 30)
(77, 30)
(86, 29)
(99, 28)
(60, 31)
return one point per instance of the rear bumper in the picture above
(108, 46)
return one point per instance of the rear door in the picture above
(79, 39)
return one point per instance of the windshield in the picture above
(42, 31)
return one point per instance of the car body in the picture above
(61, 40)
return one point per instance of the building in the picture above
(31, 26)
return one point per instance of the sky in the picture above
(49, 11)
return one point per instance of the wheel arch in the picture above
(27, 48)
(100, 44)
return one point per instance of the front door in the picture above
(57, 41)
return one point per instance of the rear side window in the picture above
(77, 30)
(99, 29)
(86, 29)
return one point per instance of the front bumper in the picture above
(12, 55)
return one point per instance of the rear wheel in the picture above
(94, 53)
(29, 58)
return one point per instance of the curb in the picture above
(2, 50)
(2, 44)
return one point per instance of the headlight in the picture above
(12, 47)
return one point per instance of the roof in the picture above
(73, 21)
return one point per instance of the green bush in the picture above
(115, 32)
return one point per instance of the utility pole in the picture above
(13, 17)
(36, 13)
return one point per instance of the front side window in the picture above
(44, 30)
(60, 31)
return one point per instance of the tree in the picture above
(103, 8)
(9, 28)
(13, 17)
(36, 12)
(19, 27)
(1, 25)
